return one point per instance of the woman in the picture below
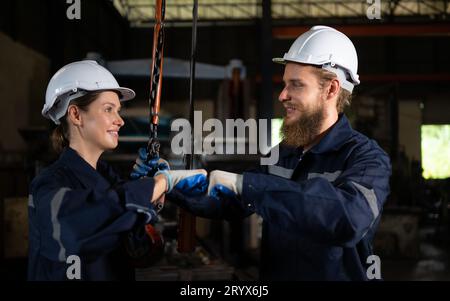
(78, 205)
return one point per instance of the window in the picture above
(435, 143)
(276, 127)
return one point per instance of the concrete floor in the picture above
(433, 263)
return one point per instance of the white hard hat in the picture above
(326, 47)
(75, 80)
(235, 64)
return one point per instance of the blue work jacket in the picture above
(75, 209)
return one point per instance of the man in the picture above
(321, 202)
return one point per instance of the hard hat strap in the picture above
(340, 73)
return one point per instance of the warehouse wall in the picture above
(43, 26)
(23, 80)
(410, 120)
(436, 108)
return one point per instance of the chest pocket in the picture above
(330, 176)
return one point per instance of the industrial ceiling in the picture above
(141, 12)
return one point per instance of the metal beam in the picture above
(377, 30)
(431, 77)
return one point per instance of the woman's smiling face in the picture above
(101, 122)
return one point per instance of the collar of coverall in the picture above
(84, 172)
(338, 135)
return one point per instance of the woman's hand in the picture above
(147, 168)
(189, 182)
(159, 189)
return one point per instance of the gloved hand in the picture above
(142, 168)
(224, 182)
(224, 190)
(223, 200)
(189, 182)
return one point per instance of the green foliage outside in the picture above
(275, 127)
(436, 151)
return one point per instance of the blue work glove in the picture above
(223, 200)
(225, 182)
(225, 189)
(219, 192)
(188, 182)
(142, 168)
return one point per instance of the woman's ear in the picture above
(73, 114)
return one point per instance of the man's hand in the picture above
(189, 182)
(144, 168)
(223, 200)
(223, 182)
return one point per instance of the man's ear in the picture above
(73, 114)
(333, 88)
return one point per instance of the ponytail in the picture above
(59, 137)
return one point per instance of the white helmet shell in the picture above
(75, 80)
(326, 47)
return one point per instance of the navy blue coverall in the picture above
(320, 208)
(77, 210)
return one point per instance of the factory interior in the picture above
(402, 102)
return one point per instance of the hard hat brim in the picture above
(283, 61)
(279, 60)
(126, 93)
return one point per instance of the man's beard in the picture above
(304, 130)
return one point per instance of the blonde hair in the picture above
(344, 97)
